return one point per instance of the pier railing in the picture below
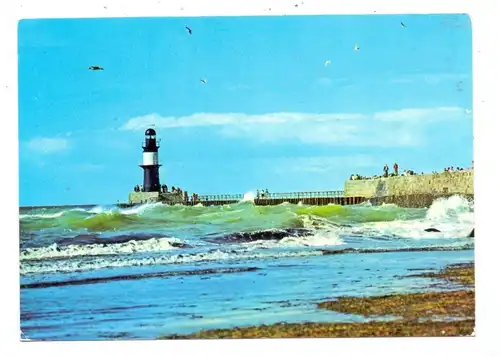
(299, 195)
(293, 195)
(221, 197)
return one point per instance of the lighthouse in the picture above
(150, 162)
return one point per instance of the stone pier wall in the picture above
(153, 197)
(431, 185)
(143, 197)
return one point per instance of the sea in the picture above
(109, 273)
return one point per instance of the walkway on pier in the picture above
(277, 201)
(308, 198)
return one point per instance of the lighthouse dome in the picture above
(150, 132)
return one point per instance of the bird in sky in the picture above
(96, 68)
(204, 81)
(356, 47)
(189, 30)
(327, 63)
(402, 24)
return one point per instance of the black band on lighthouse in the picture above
(150, 162)
(152, 178)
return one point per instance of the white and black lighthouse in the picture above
(150, 162)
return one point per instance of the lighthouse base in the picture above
(155, 197)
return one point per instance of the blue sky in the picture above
(272, 114)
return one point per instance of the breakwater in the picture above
(308, 198)
(410, 191)
(277, 201)
(437, 184)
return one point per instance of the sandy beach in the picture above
(414, 314)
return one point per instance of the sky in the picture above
(273, 114)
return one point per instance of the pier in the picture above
(309, 198)
(407, 190)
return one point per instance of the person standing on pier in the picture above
(386, 170)
(396, 167)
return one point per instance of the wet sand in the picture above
(447, 313)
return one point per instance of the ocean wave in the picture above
(450, 218)
(411, 230)
(102, 218)
(455, 208)
(279, 238)
(306, 238)
(117, 261)
(453, 216)
(41, 216)
(217, 255)
(98, 249)
(258, 235)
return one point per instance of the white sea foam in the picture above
(55, 251)
(321, 238)
(140, 209)
(78, 209)
(75, 265)
(315, 222)
(455, 208)
(248, 196)
(41, 216)
(101, 209)
(453, 217)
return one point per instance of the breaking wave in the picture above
(117, 261)
(82, 239)
(98, 249)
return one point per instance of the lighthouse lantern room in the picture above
(150, 162)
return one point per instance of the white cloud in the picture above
(388, 128)
(433, 115)
(46, 145)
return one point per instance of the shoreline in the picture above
(415, 314)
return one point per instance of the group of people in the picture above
(452, 169)
(262, 194)
(395, 173)
(384, 175)
(164, 189)
(194, 197)
(174, 190)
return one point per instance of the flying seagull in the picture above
(189, 30)
(204, 81)
(327, 63)
(402, 24)
(356, 48)
(96, 68)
